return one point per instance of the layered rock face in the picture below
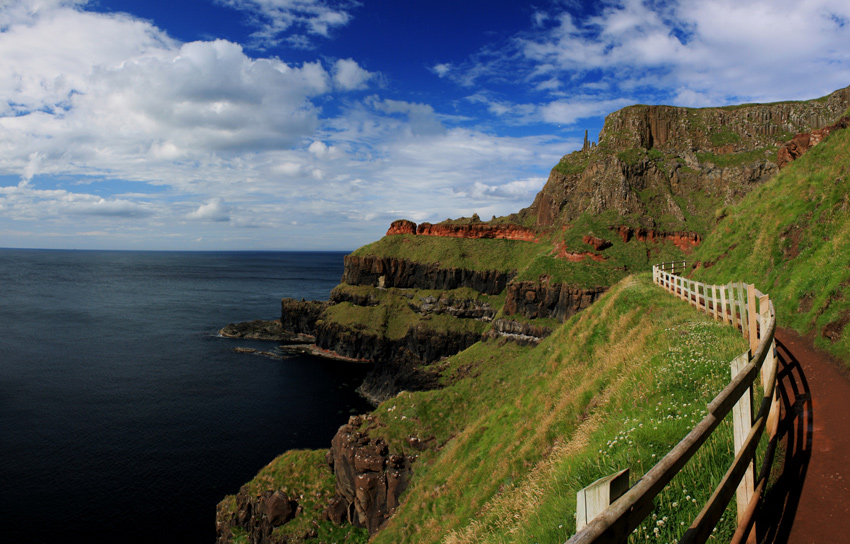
(300, 316)
(536, 300)
(665, 152)
(399, 364)
(369, 479)
(391, 272)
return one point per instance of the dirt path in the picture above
(811, 501)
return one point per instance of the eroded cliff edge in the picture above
(652, 188)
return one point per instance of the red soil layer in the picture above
(685, 241)
(469, 230)
(577, 256)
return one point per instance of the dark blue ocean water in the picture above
(123, 417)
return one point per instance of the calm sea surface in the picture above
(123, 417)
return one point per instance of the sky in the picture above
(313, 124)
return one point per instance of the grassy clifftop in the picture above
(792, 237)
(518, 430)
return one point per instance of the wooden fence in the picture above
(607, 514)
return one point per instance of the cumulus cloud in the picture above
(441, 69)
(684, 52)
(214, 210)
(206, 139)
(569, 111)
(349, 76)
(722, 49)
(524, 189)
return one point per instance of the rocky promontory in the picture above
(651, 190)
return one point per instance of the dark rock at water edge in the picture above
(264, 330)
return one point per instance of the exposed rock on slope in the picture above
(534, 300)
(473, 229)
(803, 141)
(648, 156)
(369, 479)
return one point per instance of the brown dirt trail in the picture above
(810, 502)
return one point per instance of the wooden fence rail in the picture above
(743, 307)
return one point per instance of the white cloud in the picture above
(349, 76)
(214, 210)
(523, 190)
(568, 112)
(25, 203)
(300, 19)
(421, 117)
(441, 69)
(687, 49)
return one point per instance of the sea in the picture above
(124, 417)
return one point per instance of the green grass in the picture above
(792, 238)
(393, 317)
(473, 254)
(724, 136)
(519, 430)
(739, 159)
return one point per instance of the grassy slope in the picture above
(475, 254)
(792, 238)
(520, 430)
(530, 260)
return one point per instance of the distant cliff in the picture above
(651, 159)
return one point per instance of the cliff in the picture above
(651, 160)
(384, 272)
(418, 301)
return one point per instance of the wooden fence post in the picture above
(752, 316)
(714, 301)
(723, 303)
(733, 305)
(742, 421)
(596, 497)
(742, 306)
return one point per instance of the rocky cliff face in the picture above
(258, 515)
(300, 316)
(401, 364)
(369, 478)
(390, 272)
(535, 300)
(648, 157)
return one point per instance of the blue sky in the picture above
(312, 124)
